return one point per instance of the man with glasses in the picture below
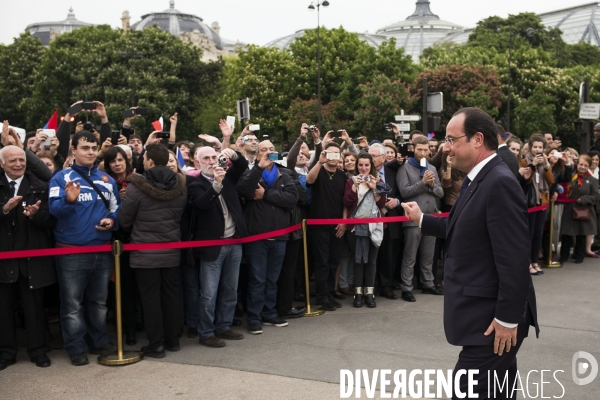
(269, 195)
(418, 182)
(250, 148)
(490, 300)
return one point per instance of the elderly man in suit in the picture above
(490, 300)
(218, 216)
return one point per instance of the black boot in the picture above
(370, 298)
(358, 297)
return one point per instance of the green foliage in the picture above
(306, 111)
(20, 61)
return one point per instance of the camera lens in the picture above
(88, 126)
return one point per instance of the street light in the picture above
(529, 32)
(311, 7)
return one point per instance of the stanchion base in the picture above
(553, 264)
(314, 312)
(129, 357)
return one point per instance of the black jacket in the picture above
(391, 171)
(487, 257)
(27, 234)
(273, 211)
(210, 224)
(510, 160)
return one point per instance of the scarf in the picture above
(413, 161)
(577, 181)
(122, 182)
(542, 185)
(270, 176)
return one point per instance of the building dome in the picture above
(283, 43)
(419, 31)
(47, 31)
(177, 23)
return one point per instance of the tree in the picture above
(306, 111)
(20, 61)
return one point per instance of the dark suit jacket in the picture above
(486, 273)
(391, 170)
(210, 223)
(510, 160)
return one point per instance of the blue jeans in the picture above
(83, 281)
(264, 259)
(218, 291)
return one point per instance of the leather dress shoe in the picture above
(79, 359)
(4, 363)
(236, 322)
(327, 305)
(389, 294)
(408, 296)
(212, 341)
(338, 295)
(230, 335)
(130, 339)
(107, 348)
(347, 291)
(156, 352)
(41, 361)
(432, 290)
(335, 303)
(294, 312)
(173, 348)
(192, 333)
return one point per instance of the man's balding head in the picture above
(12, 160)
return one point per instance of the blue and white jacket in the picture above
(76, 222)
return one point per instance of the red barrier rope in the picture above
(205, 243)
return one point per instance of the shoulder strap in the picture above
(89, 181)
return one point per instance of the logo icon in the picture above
(580, 367)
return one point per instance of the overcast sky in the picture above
(260, 21)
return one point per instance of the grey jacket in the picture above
(153, 216)
(412, 188)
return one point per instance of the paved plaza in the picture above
(303, 360)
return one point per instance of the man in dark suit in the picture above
(24, 224)
(218, 216)
(490, 300)
(505, 154)
(392, 234)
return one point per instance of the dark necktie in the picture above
(12, 188)
(464, 186)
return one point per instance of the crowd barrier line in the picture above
(59, 251)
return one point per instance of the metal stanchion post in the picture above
(120, 358)
(316, 311)
(550, 263)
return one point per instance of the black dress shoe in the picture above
(5, 363)
(155, 352)
(236, 322)
(335, 303)
(327, 305)
(192, 333)
(107, 348)
(130, 339)
(408, 296)
(173, 348)
(41, 361)
(432, 290)
(294, 312)
(79, 359)
(339, 295)
(389, 294)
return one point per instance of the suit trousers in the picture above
(415, 242)
(161, 305)
(490, 365)
(33, 308)
(285, 283)
(327, 253)
(387, 259)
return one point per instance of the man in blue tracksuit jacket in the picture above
(84, 219)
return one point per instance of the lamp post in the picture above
(312, 6)
(529, 32)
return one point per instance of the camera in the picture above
(311, 128)
(222, 161)
(333, 156)
(88, 126)
(336, 134)
(275, 157)
(88, 105)
(365, 178)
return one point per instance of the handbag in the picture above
(383, 188)
(581, 213)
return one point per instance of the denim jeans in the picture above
(264, 258)
(83, 281)
(218, 291)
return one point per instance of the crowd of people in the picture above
(88, 185)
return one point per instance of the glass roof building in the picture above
(578, 24)
(284, 42)
(47, 31)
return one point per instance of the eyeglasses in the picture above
(452, 140)
(264, 149)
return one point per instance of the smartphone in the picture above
(51, 133)
(163, 135)
(128, 113)
(75, 109)
(254, 127)
(356, 141)
(104, 225)
(410, 154)
(333, 156)
(336, 134)
(114, 137)
(403, 149)
(275, 157)
(88, 105)
(387, 127)
(230, 121)
(142, 111)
